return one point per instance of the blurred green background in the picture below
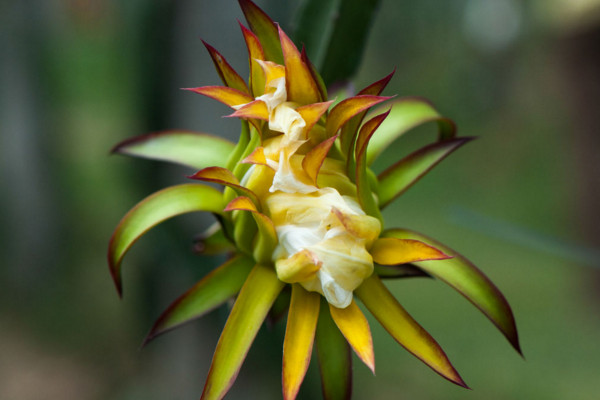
(78, 76)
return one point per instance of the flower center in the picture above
(323, 235)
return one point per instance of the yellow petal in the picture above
(299, 267)
(355, 328)
(255, 109)
(348, 108)
(257, 157)
(361, 226)
(272, 71)
(299, 339)
(300, 85)
(404, 329)
(255, 52)
(392, 251)
(311, 113)
(314, 159)
(225, 95)
(228, 75)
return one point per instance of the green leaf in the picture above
(192, 149)
(265, 29)
(249, 311)
(153, 210)
(402, 327)
(210, 292)
(468, 280)
(350, 128)
(399, 177)
(363, 187)
(335, 358)
(407, 113)
(347, 41)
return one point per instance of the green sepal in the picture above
(265, 242)
(460, 274)
(228, 75)
(363, 187)
(236, 154)
(408, 113)
(209, 293)
(399, 177)
(239, 169)
(404, 329)
(244, 231)
(191, 149)
(335, 358)
(249, 311)
(265, 29)
(350, 128)
(154, 209)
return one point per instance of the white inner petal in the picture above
(303, 214)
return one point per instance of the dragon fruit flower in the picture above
(301, 209)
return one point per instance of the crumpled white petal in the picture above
(304, 216)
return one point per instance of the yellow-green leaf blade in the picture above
(399, 177)
(228, 75)
(300, 85)
(255, 52)
(299, 337)
(191, 149)
(355, 328)
(214, 289)
(469, 281)
(153, 210)
(313, 160)
(311, 113)
(225, 177)
(265, 29)
(407, 113)
(249, 311)
(393, 251)
(402, 327)
(335, 360)
(256, 109)
(350, 129)
(226, 95)
(348, 108)
(363, 187)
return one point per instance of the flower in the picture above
(300, 209)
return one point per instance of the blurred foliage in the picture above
(77, 76)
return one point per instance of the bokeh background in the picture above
(78, 76)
